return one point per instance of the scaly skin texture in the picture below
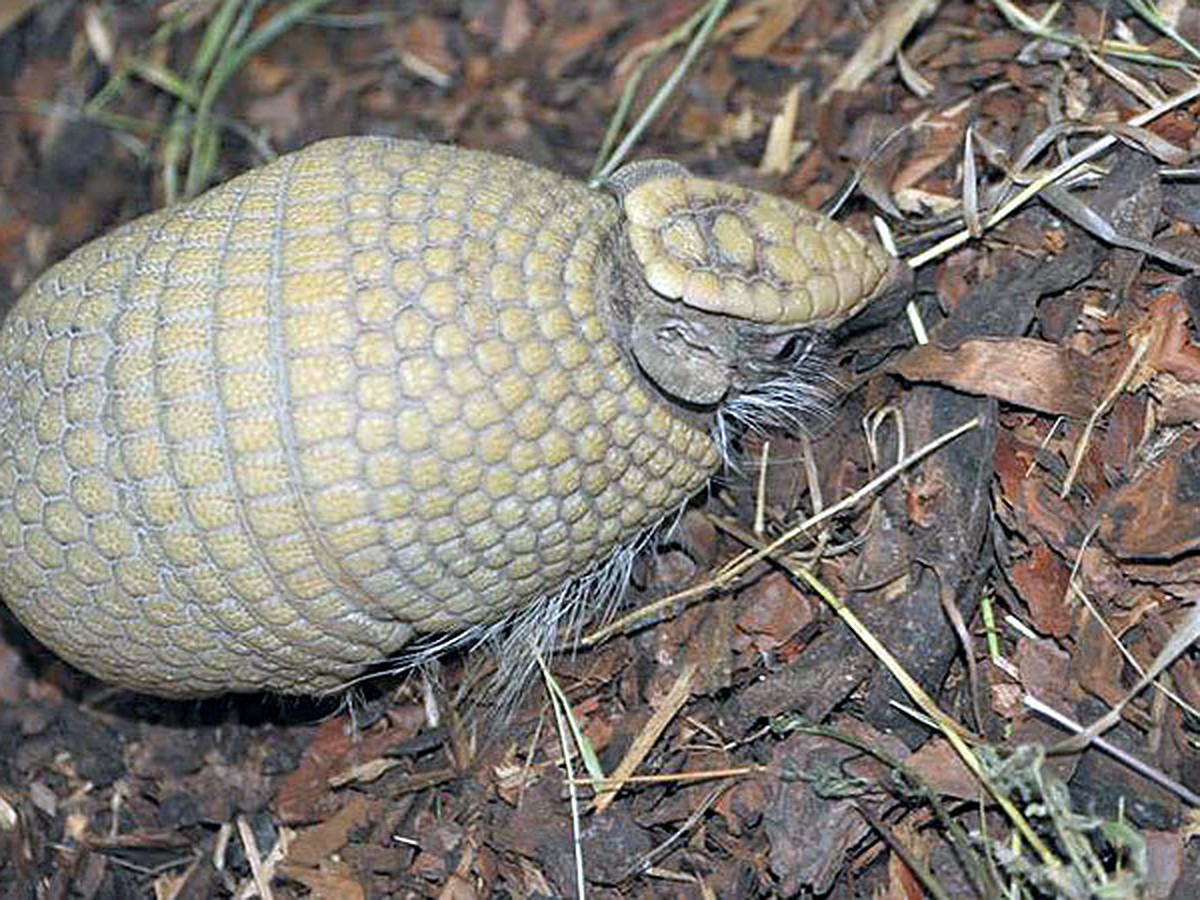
(371, 390)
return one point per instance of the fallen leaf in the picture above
(775, 612)
(1164, 861)
(1022, 371)
(1044, 670)
(1171, 349)
(305, 795)
(328, 883)
(939, 766)
(774, 24)
(883, 40)
(1042, 580)
(1178, 401)
(313, 845)
(1157, 515)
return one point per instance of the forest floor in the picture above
(1036, 167)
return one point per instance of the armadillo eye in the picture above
(794, 348)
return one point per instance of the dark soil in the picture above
(1047, 553)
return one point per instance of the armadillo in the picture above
(377, 390)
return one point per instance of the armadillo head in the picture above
(733, 287)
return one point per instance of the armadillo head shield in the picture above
(740, 270)
(753, 256)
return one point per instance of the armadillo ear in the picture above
(634, 174)
(686, 358)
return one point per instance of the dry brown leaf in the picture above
(1178, 401)
(305, 795)
(937, 141)
(1157, 515)
(1097, 663)
(903, 884)
(1042, 580)
(1044, 669)
(939, 766)
(1022, 371)
(776, 611)
(331, 882)
(313, 845)
(1171, 348)
(878, 46)
(771, 27)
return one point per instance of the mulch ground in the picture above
(1046, 557)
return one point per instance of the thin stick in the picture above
(1063, 169)
(674, 777)
(262, 880)
(1139, 351)
(746, 560)
(680, 693)
(1146, 771)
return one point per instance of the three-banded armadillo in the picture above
(377, 389)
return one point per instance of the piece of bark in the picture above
(1022, 371)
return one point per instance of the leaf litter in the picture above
(995, 640)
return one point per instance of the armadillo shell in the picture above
(261, 439)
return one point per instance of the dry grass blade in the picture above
(777, 155)
(1152, 16)
(1076, 592)
(117, 81)
(260, 872)
(1041, 29)
(911, 859)
(1099, 227)
(1127, 759)
(586, 752)
(985, 881)
(1135, 360)
(760, 491)
(881, 44)
(1147, 94)
(607, 163)
(1183, 638)
(676, 697)
(970, 180)
(647, 860)
(745, 561)
(913, 79)
(948, 727)
(673, 777)
(562, 715)
(1064, 168)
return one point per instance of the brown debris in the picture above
(1022, 371)
(1157, 516)
(1042, 581)
(1035, 328)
